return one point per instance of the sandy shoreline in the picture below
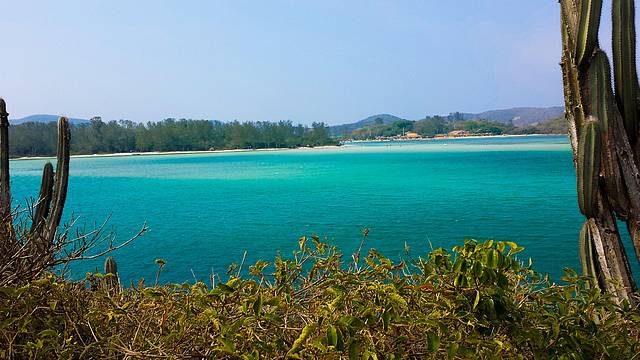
(193, 152)
(190, 152)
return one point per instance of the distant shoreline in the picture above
(455, 137)
(162, 153)
(195, 152)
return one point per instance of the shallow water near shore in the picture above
(205, 210)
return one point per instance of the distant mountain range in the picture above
(45, 118)
(337, 130)
(520, 116)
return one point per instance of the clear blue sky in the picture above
(333, 61)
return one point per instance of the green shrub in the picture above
(477, 301)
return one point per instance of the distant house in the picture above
(458, 133)
(412, 135)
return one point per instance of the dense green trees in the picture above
(31, 139)
(430, 126)
(552, 126)
(433, 125)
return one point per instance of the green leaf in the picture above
(227, 345)
(355, 350)
(298, 344)
(236, 325)
(386, 318)
(491, 307)
(433, 341)
(477, 299)
(452, 350)
(332, 336)
(492, 259)
(257, 305)
(225, 288)
(48, 333)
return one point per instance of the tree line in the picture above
(97, 136)
(433, 125)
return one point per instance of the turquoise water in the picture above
(205, 210)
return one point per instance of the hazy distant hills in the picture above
(45, 118)
(348, 128)
(520, 116)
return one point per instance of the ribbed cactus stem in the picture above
(624, 64)
(61, 178)
(589, 150)
(588, 25)
(603, 107)
(608, 178)
(599, 75)
(7, 235)
(111, 270)
(585, 250)
(5, 192)
(44, 199)
(33, 251)
(110, 266)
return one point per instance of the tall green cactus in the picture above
(624, 63)
(603, 126)
(6, 225)
(588, 166)
(53, 191)
(111, 271)
(585, 249)
(110, 266)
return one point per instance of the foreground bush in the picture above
(477, 301)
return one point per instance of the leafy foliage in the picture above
(477, 301)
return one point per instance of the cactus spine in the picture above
(603, 127)
(53, 189)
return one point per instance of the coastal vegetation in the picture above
(520, 117)
(551, 126)
(98, 136)
(430, 127)
(39, 139)
(477, 301)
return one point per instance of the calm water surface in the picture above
(205, 210)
